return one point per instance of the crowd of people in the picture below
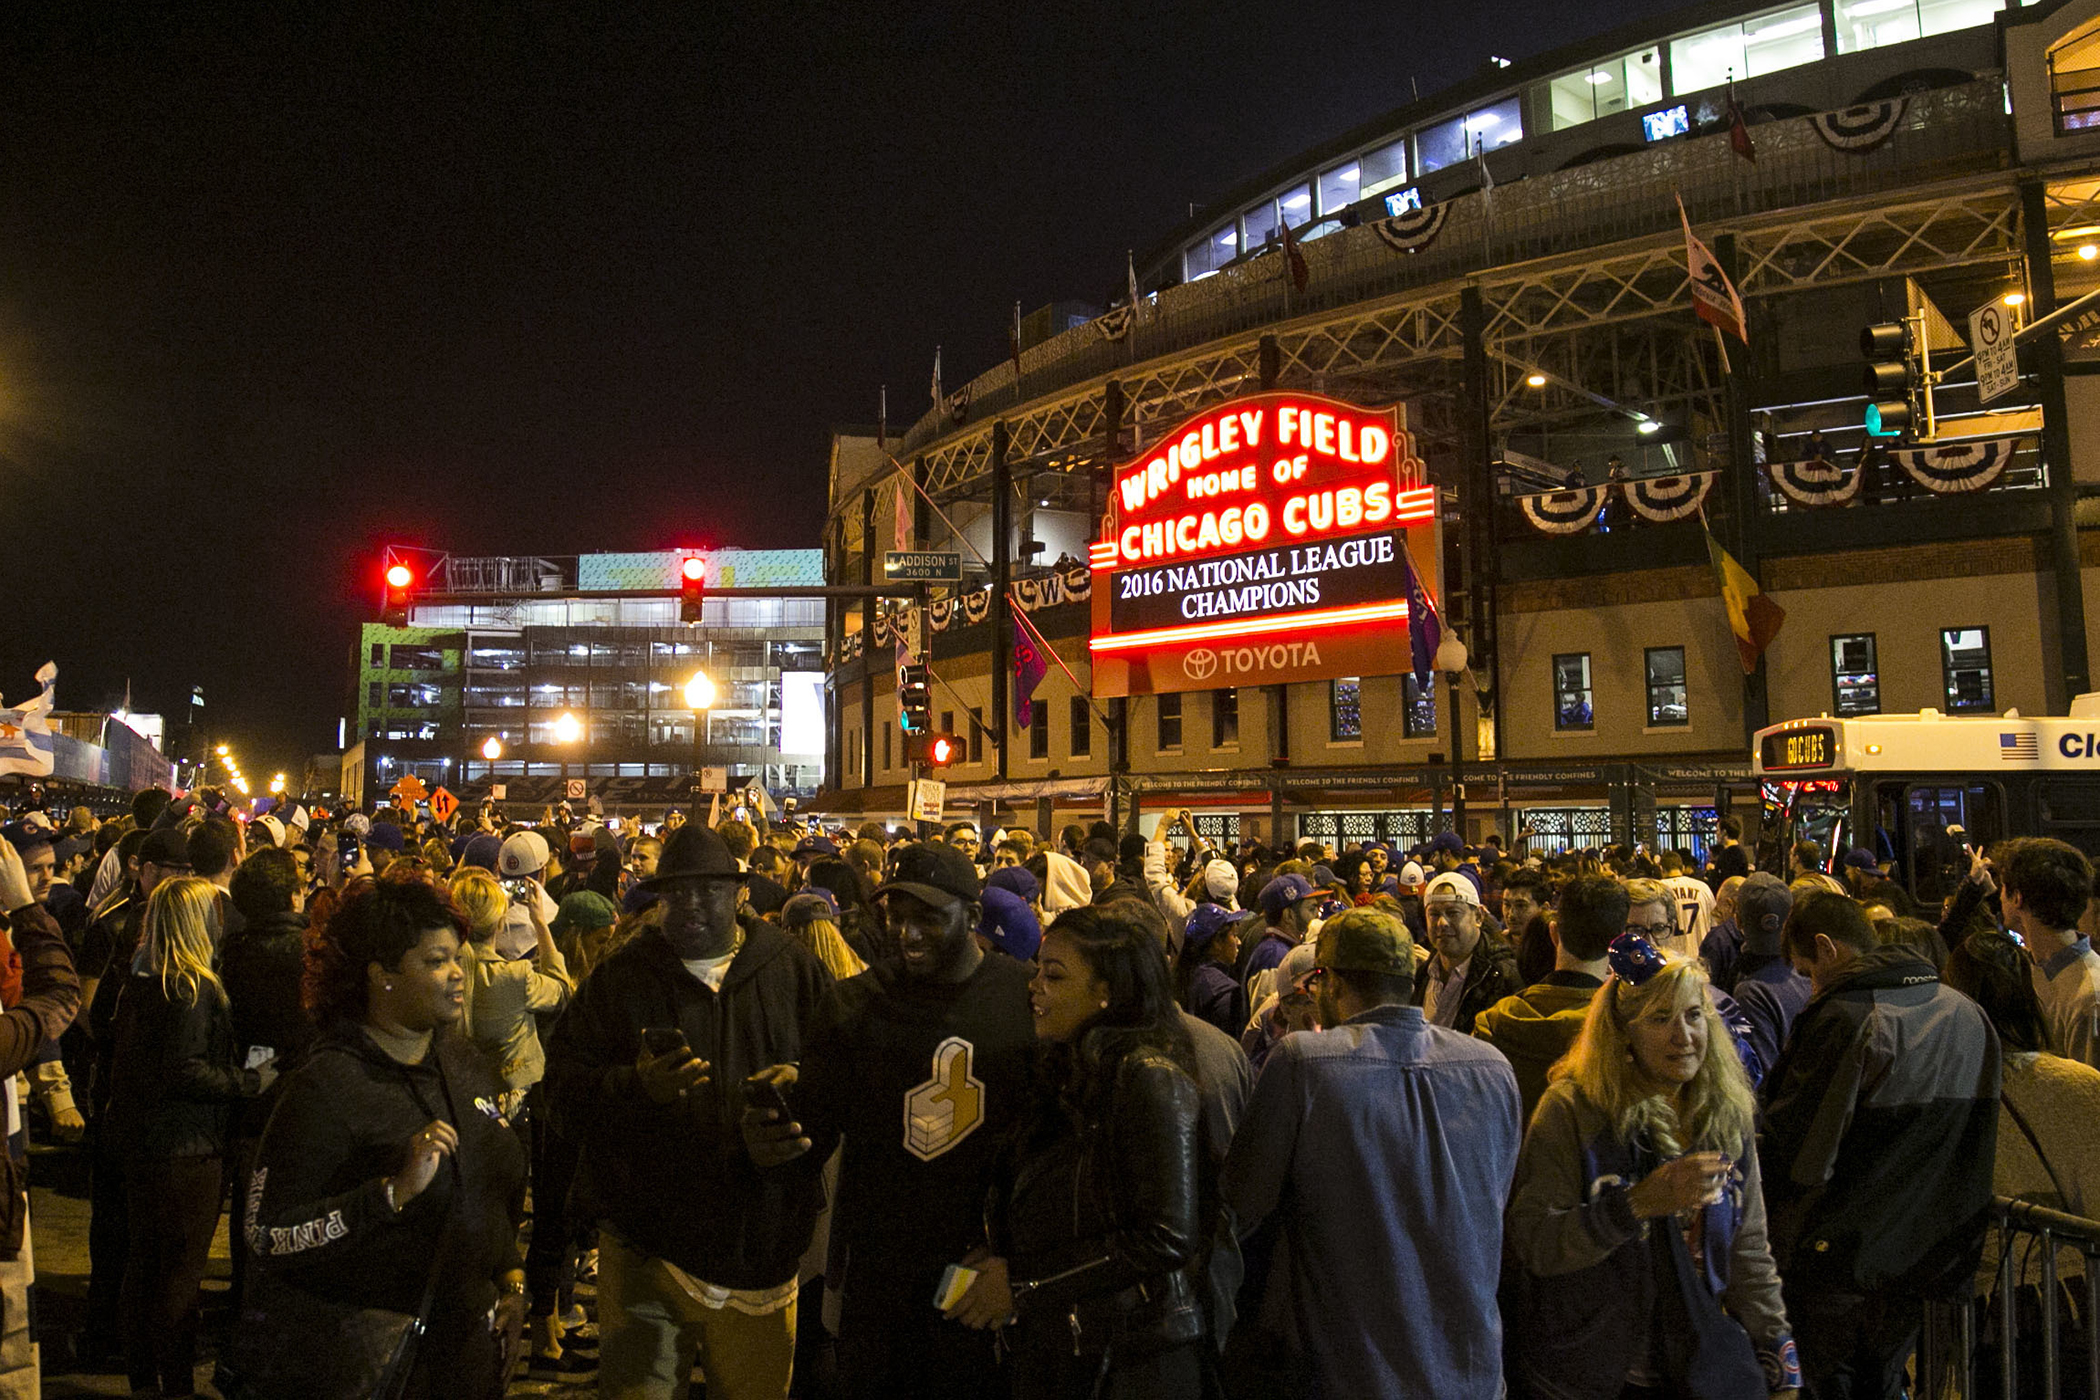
(864, 1114)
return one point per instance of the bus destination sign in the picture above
(1810, 746)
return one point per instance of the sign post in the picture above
(1997, 361)
(922, 566)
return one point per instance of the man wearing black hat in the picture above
(647, 1069)
(922, 1063)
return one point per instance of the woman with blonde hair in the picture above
(811, 921)
(174, 1083)
(1636, 1221)
(504, 995)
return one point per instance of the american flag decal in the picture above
(2015, 747)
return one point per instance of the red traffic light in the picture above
(398, 576)
(692, 588)
(694, 567)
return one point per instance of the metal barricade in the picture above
(1948, 1355)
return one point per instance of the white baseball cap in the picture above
(1221, 878)
(1452, 885)
(273, 826)
(523, 853)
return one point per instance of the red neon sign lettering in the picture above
(1256, 627)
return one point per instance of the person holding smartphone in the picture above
(647, 1069)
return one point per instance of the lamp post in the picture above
(699, 698)
(1451, 659)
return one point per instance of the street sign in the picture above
(921, 566)
(443, 804)
(574, 789)
(1991, 331)
(928, 796)
(714, 780)
(497, 790)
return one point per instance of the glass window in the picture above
(1169, 722)
(1666, 693)
(1345, 708)
(1082, 727)
(1338, 187)
(975, 754)
(1571, 692)
(1965, 666)
(886, 744)
(1382, 169)
(1874, 24)
(411, 697)
(1496, 126)
(1441, 145)
(1631, 80)
(1206, 257)
(1855, 679)
(1417, 708)
(1946, 16)
(1258, 226)
(375, 695)
(378, 653)
(1768, 44)
(1297, 206)
(1039, 729)
(1224, 719)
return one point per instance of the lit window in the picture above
(1768, 44)
(1258, 226)
(1448, 143)
(1382, 169)
(1571, 692)
(1667, 706)
(1338, 187)
(1441, 145)
(1169, 722)
(1616, 85)
(1965, 668)
(1417, 708)
(1225, 719)
(1297, 205)
(1855, 680)
(1345, 712)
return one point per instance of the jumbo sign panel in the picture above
(1261, 541)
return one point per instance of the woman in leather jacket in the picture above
(1095, 1217)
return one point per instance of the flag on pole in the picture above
(26, 744)
(1738, 129)
(1752, 617)
(1030, 666)
(901, 530)
(1294, 259)
(1130, 268)
(1714, 297)
(1013, 342)
(939, 399)
(1425, 629)
(882, 421)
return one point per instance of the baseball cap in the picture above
(357, 823)
(1284, 891)
(1207, 921)
(1010, 925)
(1017, 879)
(385, 836)
(1221, 878)
(1452, 885)
(810, 847)
(933, 872)
(1366, 940)
(1860, 858)
(522, 853)
(1412, 874)
(807, 907)
(25, 836)
(584, 910)
(1447, 841)
(1762, 904)
(167, 848)
(273, 826)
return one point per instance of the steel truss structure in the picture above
(1616, 321)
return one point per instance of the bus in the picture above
(1920, 790)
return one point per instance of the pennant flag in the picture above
(1130, 270)
(1714, 297)
(1738, 129)
(1752, 617)
(1030, 666)
(939, 399)
(1013, 342)
(1425, 630)
(1294, 259)
(901, 527)
(26, 745)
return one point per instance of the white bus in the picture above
(1916, 788)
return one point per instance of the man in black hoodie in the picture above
(646, 1069)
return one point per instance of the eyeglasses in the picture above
(1651, 930)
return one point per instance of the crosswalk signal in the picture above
(1891, 378)
(394, 610)
(914, 698)
(692, 588)
(933, 750)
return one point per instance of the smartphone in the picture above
(955, 1282)
(663, 1040)
(519, 888)
(346, 850)
(764, 1093)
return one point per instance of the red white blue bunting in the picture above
(1958, 467)
(1857, 130)
(1816, 482)
(1564, 512)
(1414, 230)
(1666, 498)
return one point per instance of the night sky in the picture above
(532, 278)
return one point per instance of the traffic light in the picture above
(692, 588)
(394, 611)
(933, 750)
(1891, 378)
(914, 698)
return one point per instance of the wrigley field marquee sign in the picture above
(1264, 540)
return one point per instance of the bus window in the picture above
(2070, 811)
(1942, 820)
(1811, 809)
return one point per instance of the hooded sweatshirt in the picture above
(1535, 1027)
(1066, 885)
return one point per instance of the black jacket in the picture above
(174, 1079)
(1103, 1221)
(262, 967)
(675, 1179)
(106, 950)
(315, 1213)
(1490, 976)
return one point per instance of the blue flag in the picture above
(1425, 630)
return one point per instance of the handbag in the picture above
(291, 1344)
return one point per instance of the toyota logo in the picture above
(1200, 664)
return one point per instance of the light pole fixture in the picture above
(700, 698)
(567, 729)
(492, 748)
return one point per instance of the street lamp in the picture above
(492, 748)
(699, 698)
(277, 783)
(567, 729)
